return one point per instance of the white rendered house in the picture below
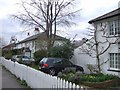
(111, 57)
(37, 42)
(33, 43)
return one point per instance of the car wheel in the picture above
(52, 72)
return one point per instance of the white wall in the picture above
(36, 45)
(82, 59)
(106, 66)
(113, 48)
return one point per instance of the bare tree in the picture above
(99, 44)
(47, 15)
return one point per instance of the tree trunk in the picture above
(47, 28)
(98, 64)
(97, 52)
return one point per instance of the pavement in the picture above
(9, 81)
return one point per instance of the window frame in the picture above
(115, 66)
(114, 27)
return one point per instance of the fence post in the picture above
(64, 86)
(70, 86)
(81, 88)
(74, 86)
(67, 84)
(55, 82)
(78, 87)
(58, 83)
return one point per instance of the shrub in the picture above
(17, 51)
(7, 54)
(66, 73)
(92, 68)
(23, 82)
(75, 78)
(38, 55)
(97, 77)
(70, 75)
(63, 51)
(78, 78)
(68, 70)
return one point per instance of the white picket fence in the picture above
(37, 79)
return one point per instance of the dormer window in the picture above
(114, 28)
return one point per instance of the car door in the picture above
(18, 58)
(58, 65)
(66, 63)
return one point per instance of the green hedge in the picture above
(9, 53)
(38, 55)
(65, 50)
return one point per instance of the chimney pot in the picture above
(119, 4)
(36, 31)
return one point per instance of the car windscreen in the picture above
(44, 60)
(57, 60)
(26, 57)
(18, 56)
(50, 61)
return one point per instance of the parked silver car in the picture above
(22, 59)
(16, 58)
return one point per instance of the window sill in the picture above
(112, 36)
(113, 70)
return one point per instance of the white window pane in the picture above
(111, 28)
(111, 60)
(116, 27)
(115, 60)
(119, 61)
(119, 27)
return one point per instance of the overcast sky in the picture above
(90, 10)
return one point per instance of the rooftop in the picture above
(38, 36)
(113, 13)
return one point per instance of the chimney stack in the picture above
(28, 34)
(119, 4)
(36, 31)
